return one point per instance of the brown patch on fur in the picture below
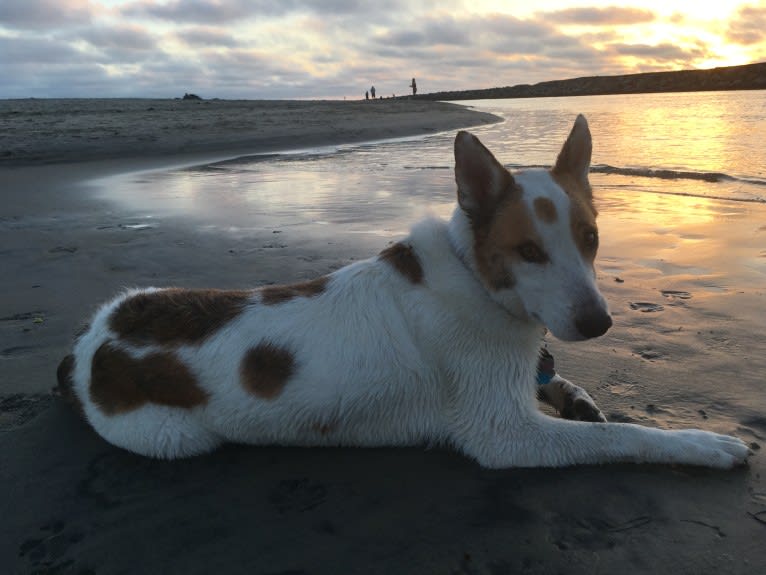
(545, 210)
(574, 187)
(272, 295)
(483, 183)
(404, 260)
(176, 315)
(66, 384)
(325, 429)
(265, 370)
(120, 383)
(511, 227)
(582, 213)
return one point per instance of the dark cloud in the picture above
(429, 33)
(609, 16)
(207, 36)
(43, 14)
(203, 11)
(36, 51)
(118, 39)
(217, 12)
(45, 67)
(669, 53)
(500, 34)
(748, 26)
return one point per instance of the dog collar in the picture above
(545, 367)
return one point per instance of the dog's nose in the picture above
(593, 323)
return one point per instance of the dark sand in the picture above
(71, 503)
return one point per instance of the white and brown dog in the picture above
(435, 340)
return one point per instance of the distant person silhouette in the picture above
(414, 87)
(366, 95)
(372, 92)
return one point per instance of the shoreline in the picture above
(73, 131)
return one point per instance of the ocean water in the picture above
(702, 146)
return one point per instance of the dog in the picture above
(435, 340)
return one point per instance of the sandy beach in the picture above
(74, 504)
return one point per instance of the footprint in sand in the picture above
(676, 294)
(645, 306)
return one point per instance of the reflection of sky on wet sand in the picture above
(701, 243)
(294, 191)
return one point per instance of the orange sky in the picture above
(337, 48)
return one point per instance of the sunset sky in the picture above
(339, 48)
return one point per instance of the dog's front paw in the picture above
(570, 400)
(582, 408)
(698, 447)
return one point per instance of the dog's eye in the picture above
(590, 238)
(531, 253)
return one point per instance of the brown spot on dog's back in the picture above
(176, 315)
(265, 370)
(404, 260)
(545, 210)
(66, 384)
(120, 383)
(272, 295)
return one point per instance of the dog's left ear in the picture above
(574, 158)
(482, 181)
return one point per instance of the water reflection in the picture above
(381, 189)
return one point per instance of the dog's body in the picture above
(435, 340)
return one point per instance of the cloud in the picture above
(748, 26)
(44, 14)
(203, 11)
(223, 11)
(496, 33)
(665, 52)
(609, 16)
(118, 39)
(207, 36)
(48, 67)
(37, 51)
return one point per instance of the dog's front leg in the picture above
(542, 441)
(570, 400)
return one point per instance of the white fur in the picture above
(385, 361)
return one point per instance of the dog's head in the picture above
(534, 234)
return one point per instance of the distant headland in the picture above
(747, 77)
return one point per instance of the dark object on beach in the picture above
(372, 92)
(191, 97)
(414, 87)
(366, 95)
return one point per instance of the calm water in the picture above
(694, 147)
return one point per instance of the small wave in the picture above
(721, 197)
(665, 174)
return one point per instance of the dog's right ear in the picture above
(481, 180)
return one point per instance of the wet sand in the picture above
(687, 349)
